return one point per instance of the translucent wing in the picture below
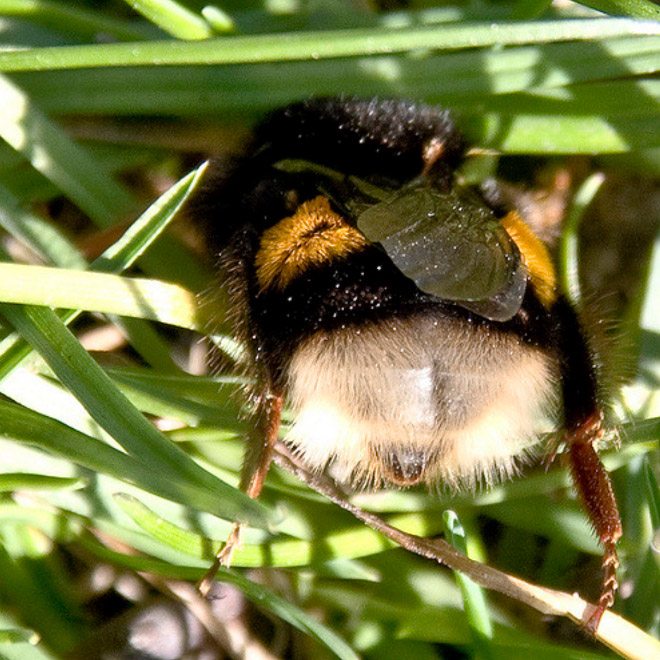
(452, 246)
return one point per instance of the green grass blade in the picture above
(568, 246)
(148, 343)
(642, 9)
(101, 292)
(653, 492)
(181, 397)
(321, 45)
(80, 176)
(24, 481)
(568, 134)
(94, 389)
(30, 132)
(133, 244)
(237, 91)
(20, 591)
(23, 425)
(219, 20)
(610, 99)
(474, 598)
(15, 635)
(40, 236)
(85, 378)
(173, 18)
(86, 23)
(149, 226)
(349, 543)
(56, 149)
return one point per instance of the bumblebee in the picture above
(413, 326)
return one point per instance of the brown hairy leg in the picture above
(593, 484)
(258, 457)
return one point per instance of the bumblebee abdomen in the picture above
(410, 399)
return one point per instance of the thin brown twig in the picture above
(620, 635)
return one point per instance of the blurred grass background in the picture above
(120, 451)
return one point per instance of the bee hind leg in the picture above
(593, 484)
(258, 457)
(583, 424)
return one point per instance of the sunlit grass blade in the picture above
(26, 652)
(237, 92)
(219, 20)
(15, 635)
(80, 176)
(566, 134)
(76, 172)
(14, 648)
(284, 552)
(474, 598)
(149, 226)
(23, 481)
(101, 292)
(84, 377)
(53, 524)
(173, 18)
(321, 45)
